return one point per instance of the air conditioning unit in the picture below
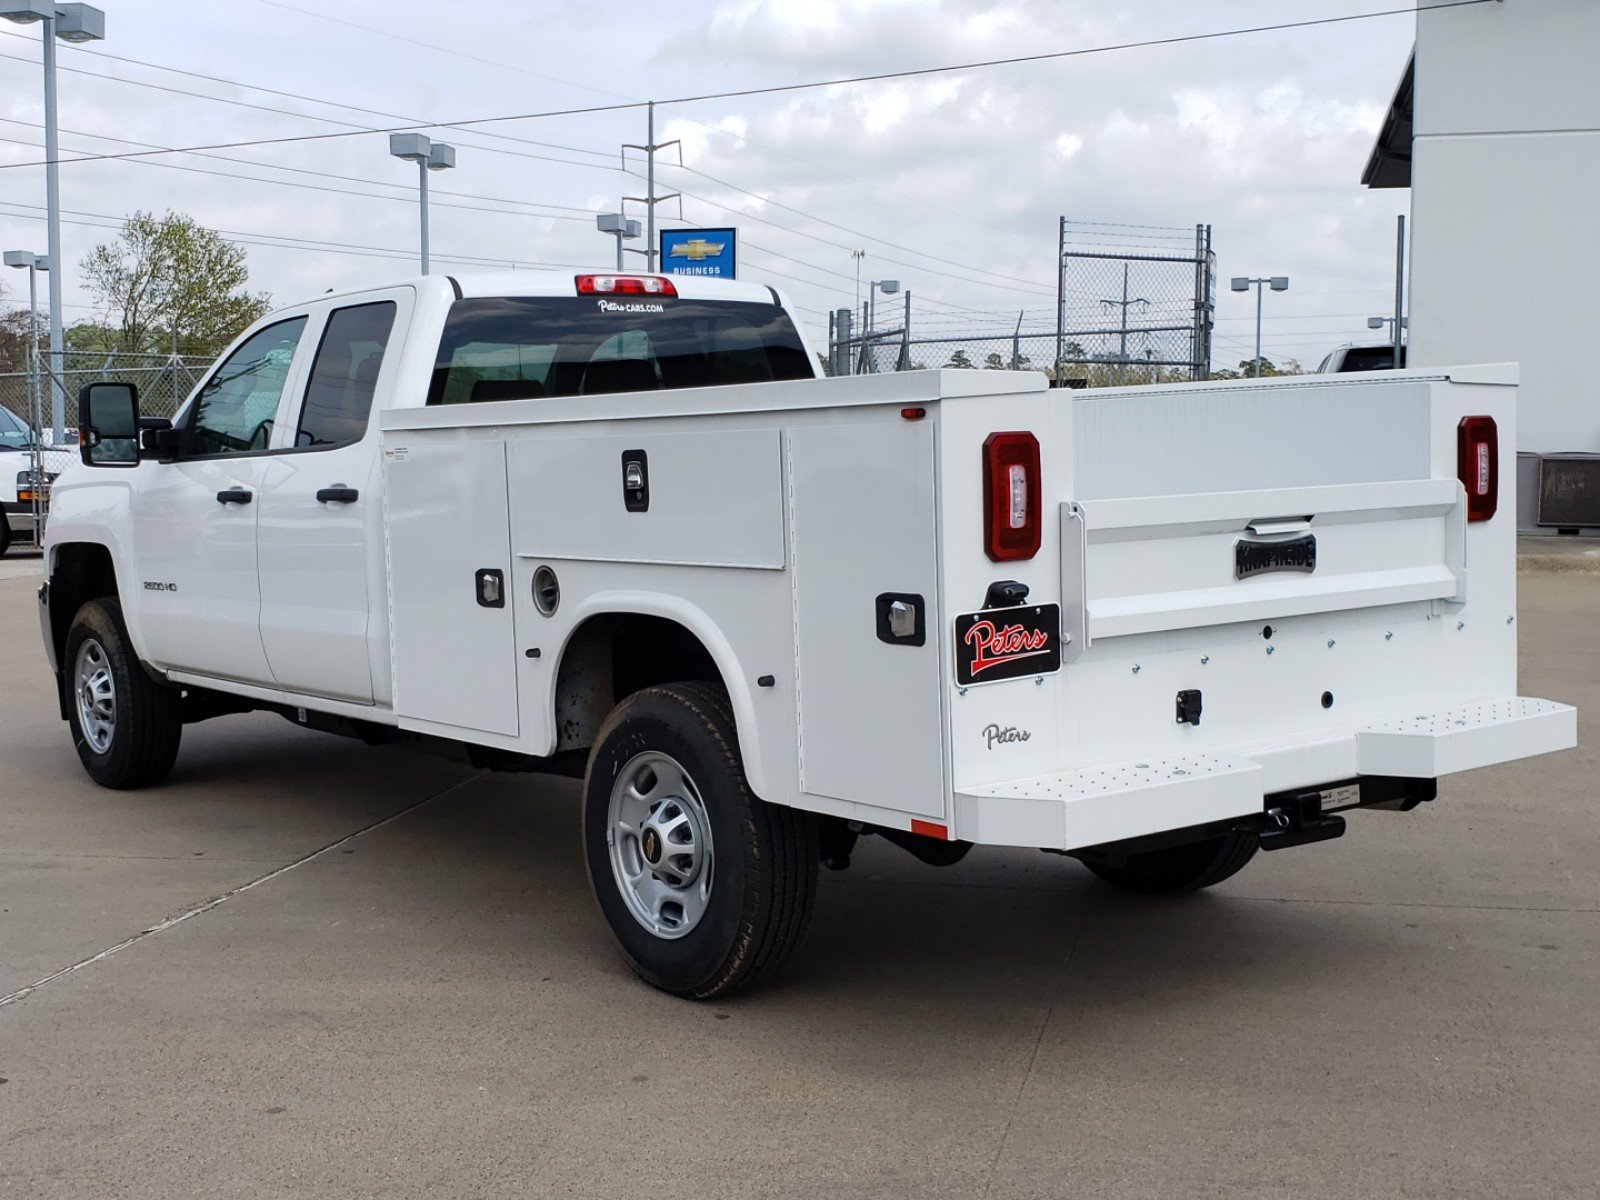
(1569, 491)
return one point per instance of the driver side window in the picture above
(233, 412)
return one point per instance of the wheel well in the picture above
(83, 571)
(613, 655)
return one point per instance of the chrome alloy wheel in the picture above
(96, 694)
(659, 839)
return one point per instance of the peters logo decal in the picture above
(611, 306)
(997, 735)
(1007, 643)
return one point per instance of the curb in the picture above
(1558, 564)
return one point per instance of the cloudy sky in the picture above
(951, 183)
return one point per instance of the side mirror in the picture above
(108, 425)
(157, 435)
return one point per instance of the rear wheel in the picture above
(1186, 868)
(125, 725)
(5, 534)
(706, 887)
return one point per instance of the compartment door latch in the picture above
(1189, 706)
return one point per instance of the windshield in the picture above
(14, 435)
(522, 347)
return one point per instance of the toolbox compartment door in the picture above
(862, 513)
(454, 646)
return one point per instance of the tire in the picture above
(1187, 868)
(5, 534)
(729, 906)
(125, 725)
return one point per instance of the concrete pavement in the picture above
(432, 1008)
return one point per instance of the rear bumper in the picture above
(1091, 806)
(19, 517)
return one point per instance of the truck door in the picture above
(194, 519)
(320, 511)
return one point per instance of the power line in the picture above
(306, 99)
(291, 242)
(406, 197)
(353, 126)
(306, 12)
(779, 89)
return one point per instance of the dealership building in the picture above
(1495, 128)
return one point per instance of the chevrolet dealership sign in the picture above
(708, 252)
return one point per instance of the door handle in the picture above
(338, 494)
(234, 496)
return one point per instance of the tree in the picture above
(167, 283)
(993, 362)
(960, 359)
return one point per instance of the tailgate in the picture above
(1293, 555)
(1160, 563)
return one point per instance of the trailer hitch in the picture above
(1297, 819)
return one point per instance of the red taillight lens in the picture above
(1011, 518)
(625, 285)
(1478, 465)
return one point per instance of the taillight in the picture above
(1478, 465)
(1011, 519)
(625, 285)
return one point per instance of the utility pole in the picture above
(1061, 302)
(1399, 286)
(1124, 304)
(858, 255)
(650, 199)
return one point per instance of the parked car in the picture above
(616, 526)
(1351, 357)
(18, 480)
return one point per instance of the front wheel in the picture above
(125, 725)
(706, 887)
(1186, 868)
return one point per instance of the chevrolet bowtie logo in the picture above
(696, 249)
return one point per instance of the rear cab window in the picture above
(344, 376)
(526, 347)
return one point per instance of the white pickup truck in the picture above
(616, 526)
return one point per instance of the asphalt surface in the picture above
(430, 1005)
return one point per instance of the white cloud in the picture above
(1263, 137)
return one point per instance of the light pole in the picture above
(1388, 323)
(429, 156)
(621, 227)
(888, 287)
(1242, 283)
(34, 263)
(70, 23)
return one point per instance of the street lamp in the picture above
(34, 263)
(70, 23)
(1242, 283)
(888, 287)
(429, 155)
(620, 227)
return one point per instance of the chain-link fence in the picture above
(1135, 305)
(1140, 315)
(164, 381)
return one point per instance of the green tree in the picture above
(96, 337)
(994, 362)
(167, 283)
(960, 359)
